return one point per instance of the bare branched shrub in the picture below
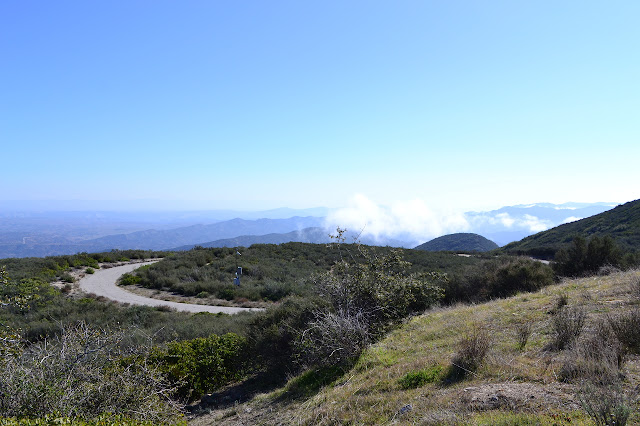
(472, 351)
(626, 327)
(606, 405)
(567, 324)
(84, 373)
(561, 301)
(523, 332)
(334, 338)
(598, 357)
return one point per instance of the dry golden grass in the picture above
(513, 386)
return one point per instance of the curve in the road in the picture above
(103, 283)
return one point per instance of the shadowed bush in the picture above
(501, 277)
(472, 351)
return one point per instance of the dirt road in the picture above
(103, 283)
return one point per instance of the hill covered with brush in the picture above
(621, 223)
(466, 242)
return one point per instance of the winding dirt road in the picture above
(103, 283)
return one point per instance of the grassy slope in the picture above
(621, 223)
(513, 387)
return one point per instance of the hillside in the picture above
(403, 378)
(621, 223)
(313, 235)
(459, 242)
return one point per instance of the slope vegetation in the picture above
(459, 242)
(528, 376)
(621, 223)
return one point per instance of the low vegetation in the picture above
(353, 334)
(406, 377)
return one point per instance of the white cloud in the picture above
(572, 219)
(534, 224)
(412, 220)
(531, 223)
(505, 219)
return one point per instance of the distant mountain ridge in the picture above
(621, 223)
(466, 242)
(44, 229)
(315, 235)
(162, 239)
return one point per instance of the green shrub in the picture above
(90, 270)
(416, 379)
(129, 279)
(501, 277)
(364, 298)
(516, 275)
(67, 278)
(202, 365)
(585, 258)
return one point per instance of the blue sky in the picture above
(248, 105)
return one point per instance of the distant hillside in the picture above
(621, 223)
(307, 235)
(459, 242)
(154, 239)
(315, 235)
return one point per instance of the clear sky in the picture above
(262, 104)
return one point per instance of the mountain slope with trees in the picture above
(459, 242)
(622, 224)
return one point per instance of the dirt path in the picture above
(103, 283)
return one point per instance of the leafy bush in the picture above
(67, 278)
(202, 365)
(500, 277)
(128, 279)
(379, 289)
(584, 258)
(364, 299)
